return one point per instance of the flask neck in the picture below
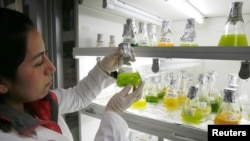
(235, 14)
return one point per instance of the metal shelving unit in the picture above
(218, 53)
(163, 129)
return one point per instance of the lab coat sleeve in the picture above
(112, 128)
(81, 95)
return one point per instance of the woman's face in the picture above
(34, 73)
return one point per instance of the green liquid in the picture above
(188, 45)
(215, 105)
(233, 40)
(152, 99)
(124, 79)
(192, 117)
(134, 44)
(161, 95)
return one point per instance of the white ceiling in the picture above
(161, 8)
(209, 8)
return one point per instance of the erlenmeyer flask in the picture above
(189, 36)
(214, 92)
(234, 35)
(127, 74)
(170, 100)
(229, 112)
(166, 39)
(191, 113)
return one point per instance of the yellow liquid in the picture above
(233, 40)
(188, 45)
(165, 44)
(140, 104)
(226, 118)
(181, 99)
(171, 104)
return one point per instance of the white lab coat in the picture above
(112, 127)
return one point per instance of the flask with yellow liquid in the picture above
(182, 87)
(234, 35)
(166, 35)
(170, 100)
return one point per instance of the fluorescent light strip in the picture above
(187, 8)
(132, 12)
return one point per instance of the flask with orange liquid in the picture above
(235, 35)
(229, 112)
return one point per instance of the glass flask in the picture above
(191, 112)
(170, 100)
(143, 34)
(204, 103)
(161, 86)
(166, 39)
(233, 82)
(99, 41)
(112, 41)
(151, 94)
(152, 35)
(214, 92)
(182, 87)
(132, 31)
(126, 35)
(189, 36)
(229, 112)
(141, 104)
(234, 35)
(127, 74)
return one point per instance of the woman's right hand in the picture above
(122, 101)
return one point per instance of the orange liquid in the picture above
(165, 44)
(227, 119)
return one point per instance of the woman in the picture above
(29, 111)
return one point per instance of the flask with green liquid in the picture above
(189, 36)
(191, 113)
(234, 35)
(127, 74)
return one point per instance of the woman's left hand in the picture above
(112, 62)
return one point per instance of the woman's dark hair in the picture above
(14, 27)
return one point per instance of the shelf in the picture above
(227, 53)
(172, 131)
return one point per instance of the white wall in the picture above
(208, 33)
(92, 22)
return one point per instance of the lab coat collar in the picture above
(45, 109)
